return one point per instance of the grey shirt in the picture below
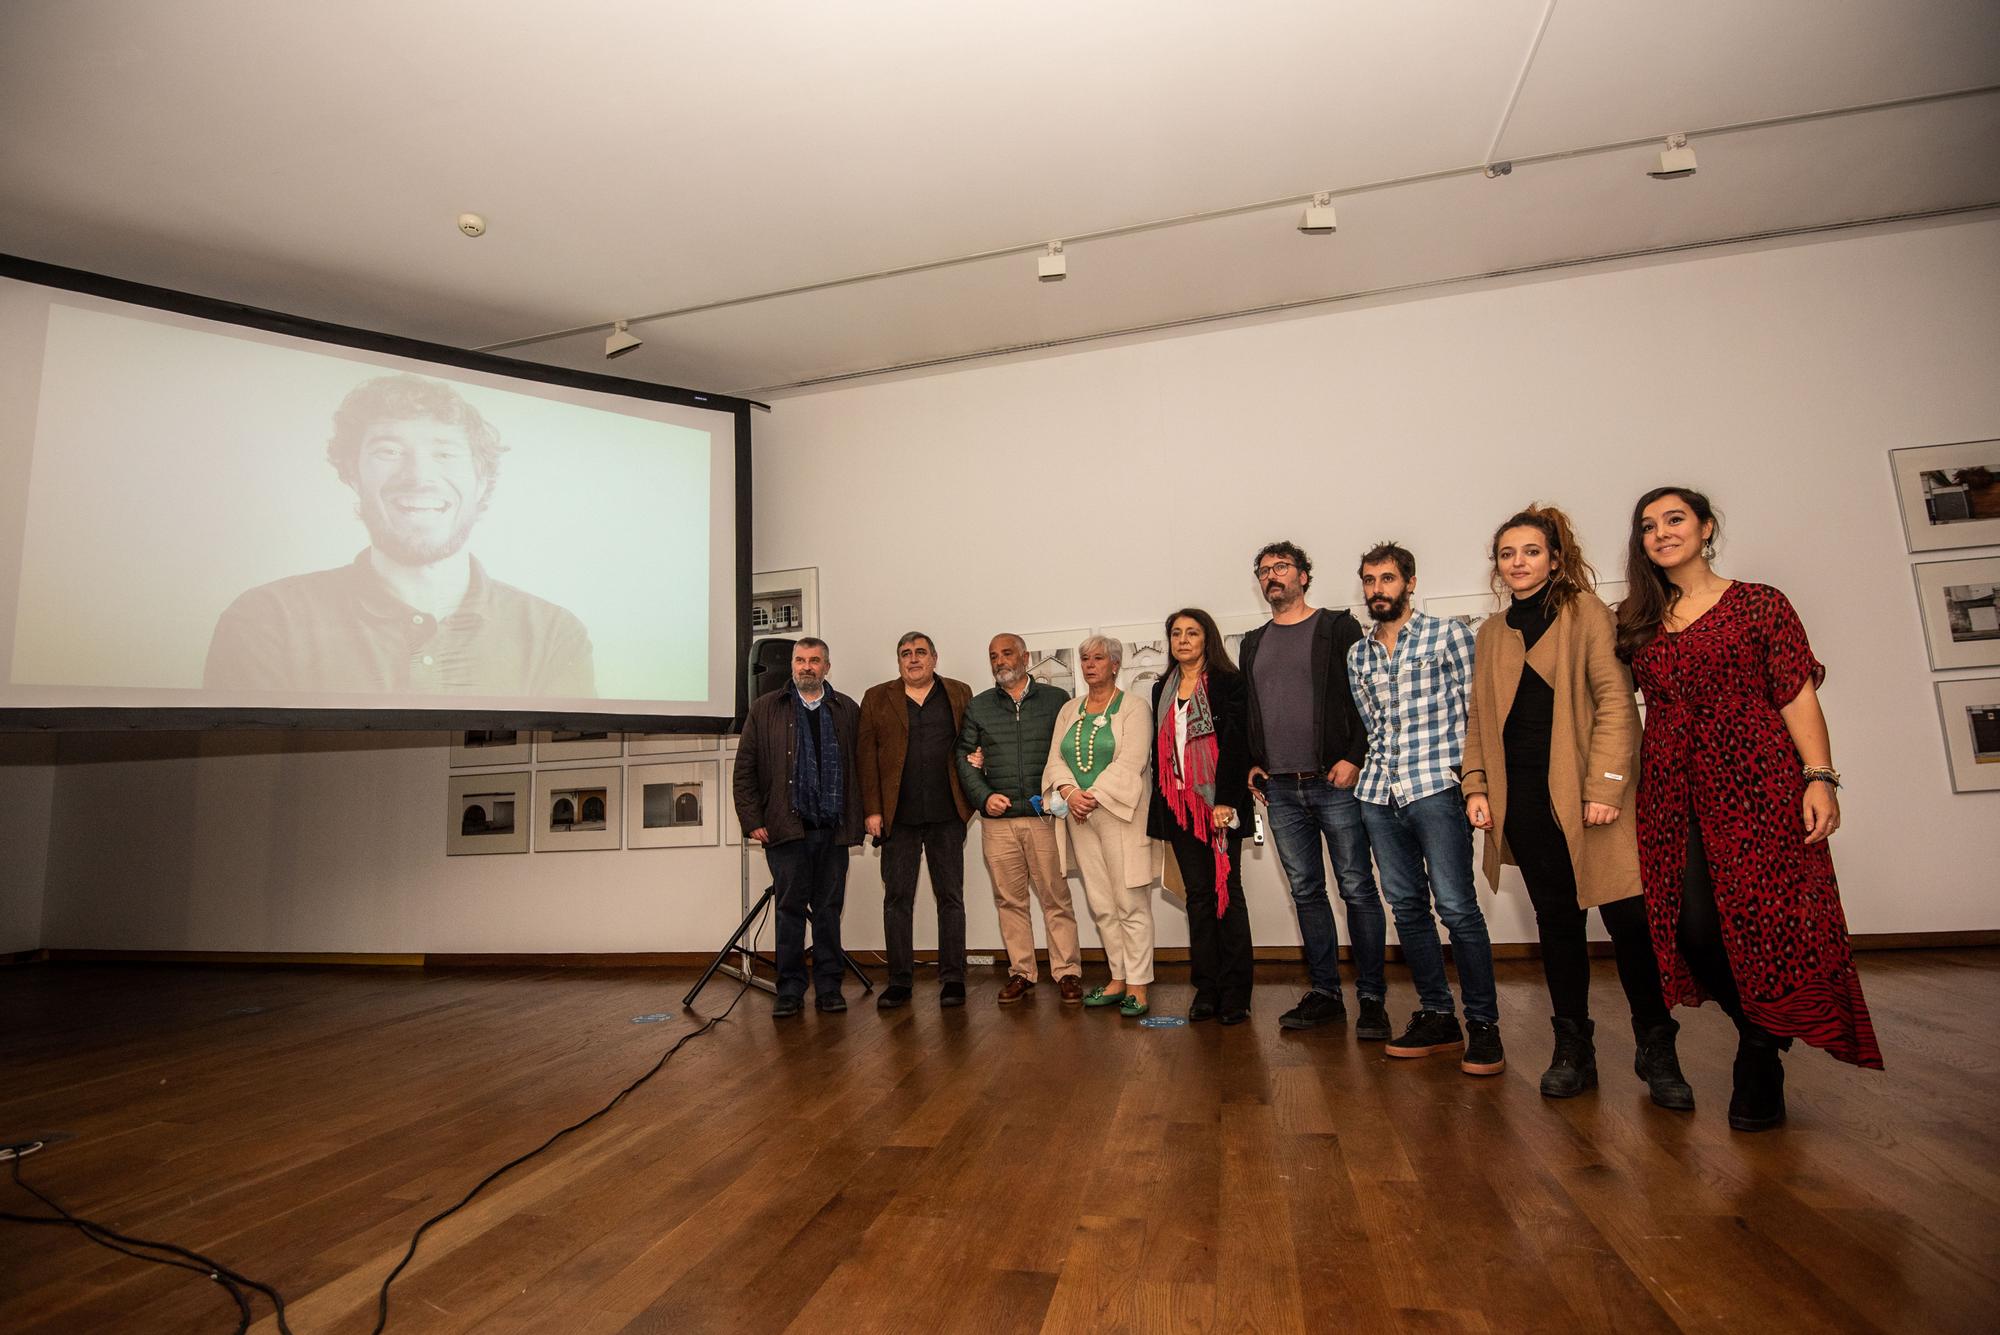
(1285, 696)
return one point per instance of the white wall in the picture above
(27, 792)
(1113, 484)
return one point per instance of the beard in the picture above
(808, 683)
(1008, 678)
(412, 540)
(1393, 611)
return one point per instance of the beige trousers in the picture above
(1123, 914)
(1021, 853)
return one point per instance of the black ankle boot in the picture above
(1656, 1063)
(1574, 1067)
(1758, 1101)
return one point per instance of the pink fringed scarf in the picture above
(1191, 795)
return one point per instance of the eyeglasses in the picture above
(1275, 568)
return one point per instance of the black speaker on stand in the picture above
(769, 669)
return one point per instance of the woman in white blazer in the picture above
(1099, 763)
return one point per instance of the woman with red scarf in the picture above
(1201, 768)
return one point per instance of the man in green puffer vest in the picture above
(1010, 728)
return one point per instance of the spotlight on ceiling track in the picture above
(1318, 219)
(1052, 266)
(621, 341)
(1676, 160)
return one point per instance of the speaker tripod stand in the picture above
(746, 970)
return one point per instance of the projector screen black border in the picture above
(104, 719)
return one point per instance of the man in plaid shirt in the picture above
(1410, 674)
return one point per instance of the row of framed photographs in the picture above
(501, 747)
(1949, 496)
(677, 804)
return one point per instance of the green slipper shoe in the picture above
(1099, 997)
(1133, 1007)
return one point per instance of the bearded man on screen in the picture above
(415, 611)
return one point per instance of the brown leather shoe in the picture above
(1072, 990)
(1016, 989)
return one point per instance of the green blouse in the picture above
(1087, 744)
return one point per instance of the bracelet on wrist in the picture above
(1826, 774)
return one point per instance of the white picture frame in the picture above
(553, 747)
(1052, 657)
(1960, 602)
(670, 743)
(673, 805)
(491, 746)
(1969, 711)
(1942, 506)
(1469, 609)
(475, 822)
(1147, 656)
(594, 818)
(732, 829)
(784, 603)
(1234, 628)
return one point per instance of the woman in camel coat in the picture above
(1551, 762)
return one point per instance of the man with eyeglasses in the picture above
(1307, 744)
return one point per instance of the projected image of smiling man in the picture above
(415, 611)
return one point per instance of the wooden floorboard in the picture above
(1032, 1168)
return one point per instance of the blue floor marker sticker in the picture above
(1164, 1021)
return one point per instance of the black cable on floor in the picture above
(234, 1282)
(382, 1298)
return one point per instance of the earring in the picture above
(1708, 551)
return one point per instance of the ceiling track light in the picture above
(1318, 218)
(621, 341)
(1676, 160)
(1051, 266)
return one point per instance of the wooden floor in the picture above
(1032, 1168)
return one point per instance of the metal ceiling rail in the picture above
(1392, 290)
(1211, 215)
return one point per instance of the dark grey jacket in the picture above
(1336, 722)
(765, 757)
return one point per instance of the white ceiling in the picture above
(635, 156)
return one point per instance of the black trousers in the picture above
(1542, 850)
(1219, 952)
(811, 879)
(1699, 936)
(942, 844)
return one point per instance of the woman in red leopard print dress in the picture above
(1733, 821)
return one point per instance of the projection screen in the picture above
(217, 516)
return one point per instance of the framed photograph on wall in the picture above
(486, 813)
(1469, 609)
(577, 809)
(1052, 657)
(1961, 606)
(669, 743)
(784, 603)
(725, 800)
(1970, 711)
(489, 747)
(672, 806)
(553, 746)
(1950, 494)
(1146, 657)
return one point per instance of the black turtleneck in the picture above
(1531, 718)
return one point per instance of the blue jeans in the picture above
(811, 879)
(1301, 811)
(1431, 835)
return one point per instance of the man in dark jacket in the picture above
(1010, 727)
(1307, 743)
(916, 809)
(798, 793)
